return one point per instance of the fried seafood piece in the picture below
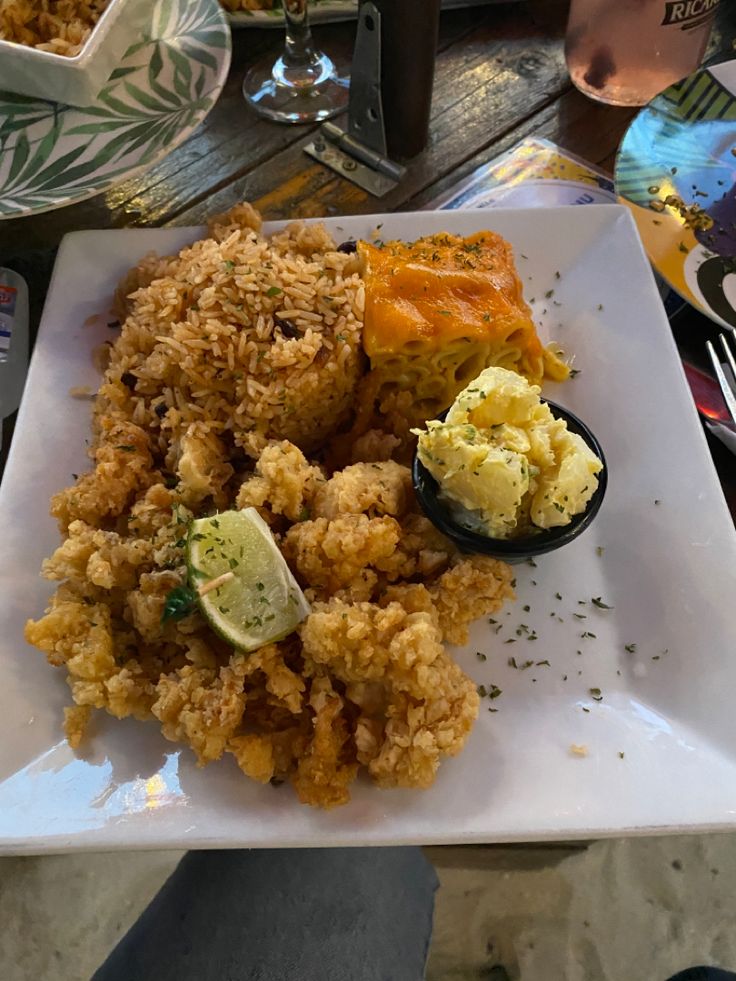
(202, 706)
(327, 766)
(341, 555)
(145, 605)
(79, 636)
(472, 587)
(152, 513)
(253, 753)
(75, 634)
(413, 596)
(103, 558)
(418, 733)
(280, 680)
(283, 483)
(123, 468)
(97, 564)
(314, 748)
(374, 446)
(266, 756)
(361, 642)
(202, 467)
(422, 551)
(275, 711)
(427, 706)
(366, 488)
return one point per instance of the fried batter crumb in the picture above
(284, 482)
(76, 719)
(341, 555)
(123, 465)
(366, 488)
(473, 587)
(323, 773)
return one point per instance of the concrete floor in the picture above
(635, 910)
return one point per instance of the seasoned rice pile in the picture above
(204, 406)
(236, 340)
(59, 26)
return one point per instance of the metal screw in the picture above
(349, 165)
(319, 145)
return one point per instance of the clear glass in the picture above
(625, 52)
(303, 85)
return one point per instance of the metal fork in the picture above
(725, 432)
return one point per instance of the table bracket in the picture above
(360, 154)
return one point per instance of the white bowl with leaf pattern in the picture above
(75, 80)
(52, 154)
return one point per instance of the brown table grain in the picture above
(500, 76)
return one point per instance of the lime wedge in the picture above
(246, 589)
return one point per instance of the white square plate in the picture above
(668, 569)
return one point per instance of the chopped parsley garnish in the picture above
(179, 603)
(598, 602)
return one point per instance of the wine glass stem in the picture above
(299, 47)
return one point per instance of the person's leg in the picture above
(703, 974)
(348, 914)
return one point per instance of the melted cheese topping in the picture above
(437, 312)
(442, 289)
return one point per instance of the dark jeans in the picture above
(342, 914)
(338, 914)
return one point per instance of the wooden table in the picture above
(500, 76)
